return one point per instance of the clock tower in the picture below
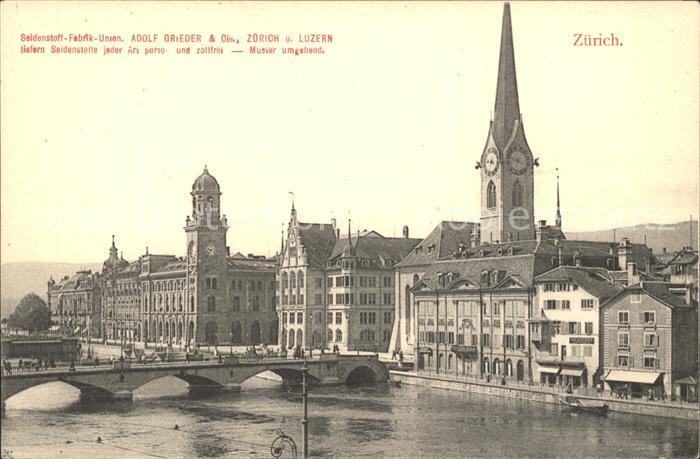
(506, 164)
(206, 254)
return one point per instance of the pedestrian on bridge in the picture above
(7, 366)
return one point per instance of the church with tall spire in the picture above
(506, 163)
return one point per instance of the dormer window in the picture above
(499, 252)
(485, 277)
(510, 250)
(430, 248)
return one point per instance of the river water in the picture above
(407, 421)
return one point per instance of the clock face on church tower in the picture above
(517, 160)
(491, 161)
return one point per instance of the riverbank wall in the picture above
(534, 394)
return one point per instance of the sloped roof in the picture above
(373, 247)
(262, 264)
(318, 240)
(596, 281)
(657, 290)
(444, 239)
(522, 268)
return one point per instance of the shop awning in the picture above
(549, 369)
(572, 371)
(641, 377)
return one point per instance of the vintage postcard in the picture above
(349, 229)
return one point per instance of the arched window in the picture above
(486, 365)
(300, 338)
(191, 303)
(496, 367)
(330, 335)
(338, 335)
(285, 280)
(256, 303)
(235, 332)
(293, 280)
(517, 194)
(491, 195)
(301, 279)
(211, 304)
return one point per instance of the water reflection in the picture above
(380, 421)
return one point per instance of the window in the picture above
(650, 362)
(649, 317)
(338, 335)
(292, 317)
(237, 304)
(491, 195)
(441, 337)
(565, 304)
(563, 287)
(338, 318)
(386, 335)
(520, 342)
(623, 360)
(284, 317)
(587, 304)
(574, 328)
(650, 339)
(387, 298)
(635, 298)
(486, 339)
(589, 328)
(623, 317)
(330, 298)
(211, 304)
(318, 283)
(387, 282)
(623, 339)
(300, 317)
(556, 327)
(496, 306)
(387, 317)
(367, 335)
(549, 287)
(330, 282)
(450, 337)
(550, 304)
(554, 349)
(256, 303)
(587, 351)
(517, 194)
(509, 341)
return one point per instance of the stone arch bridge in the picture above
(121, 379)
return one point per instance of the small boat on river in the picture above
(577, 405)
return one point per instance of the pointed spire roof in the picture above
(558, 221)
(507, 108)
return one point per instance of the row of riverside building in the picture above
(503, 297)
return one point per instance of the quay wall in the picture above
(533, 394)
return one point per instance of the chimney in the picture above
(405, 231)
(632, 276)
(476, 235)
(577, 258)
(539, 231)
(560, 255)
(624, 252)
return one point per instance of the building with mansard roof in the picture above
(465, 294)
(75, 304)
(204, 297)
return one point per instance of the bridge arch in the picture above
(361, 375)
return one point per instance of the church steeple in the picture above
(507, 108)
(507, 175)
(558, 221)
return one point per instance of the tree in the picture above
(31, 314)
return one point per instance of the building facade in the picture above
(75, 304)
(565, 329)
(206, 297)
(338, 290)
(650, 339)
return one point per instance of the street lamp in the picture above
(304, 420)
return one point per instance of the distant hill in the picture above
(671, 237)
(18, 279)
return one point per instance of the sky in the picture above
(384, 128)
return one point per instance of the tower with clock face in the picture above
(206, 254)
(506, 164)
